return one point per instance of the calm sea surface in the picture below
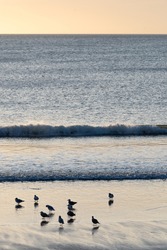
(83, 107)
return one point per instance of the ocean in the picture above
(83, 107)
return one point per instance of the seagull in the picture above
(44, 215)
(50, 208)
(70, 213)
(110, 196)
(70, 207)
(95, 221)
(60, 220)
(18, 201)
(36, 198)
(72, 203)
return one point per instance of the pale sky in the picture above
(83, 16)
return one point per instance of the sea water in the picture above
(83, 107)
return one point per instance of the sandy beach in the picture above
(136, 219)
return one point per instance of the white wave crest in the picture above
(48, 131)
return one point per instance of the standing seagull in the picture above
(70, 207)
(50, 208)
(70, 213)
(60, 220)
(72, 203)
(18, 201)
(110, 196)
(44, 215)
(36, 198)
(95, 221)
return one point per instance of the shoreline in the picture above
(135, 220)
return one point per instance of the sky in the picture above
(83, 16)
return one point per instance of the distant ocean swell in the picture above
(48, 131)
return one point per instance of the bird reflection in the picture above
(44, 223)
(36, 204)
(18, 206)
(51, 215)
(110, 202)
(95, 229)
(61, 229)
(70, 221)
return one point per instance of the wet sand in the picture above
(136, 219)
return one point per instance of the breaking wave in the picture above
(97, 174)
(48, 131)
(95, 177)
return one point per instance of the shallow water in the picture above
(102, 158)
(135, 220)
